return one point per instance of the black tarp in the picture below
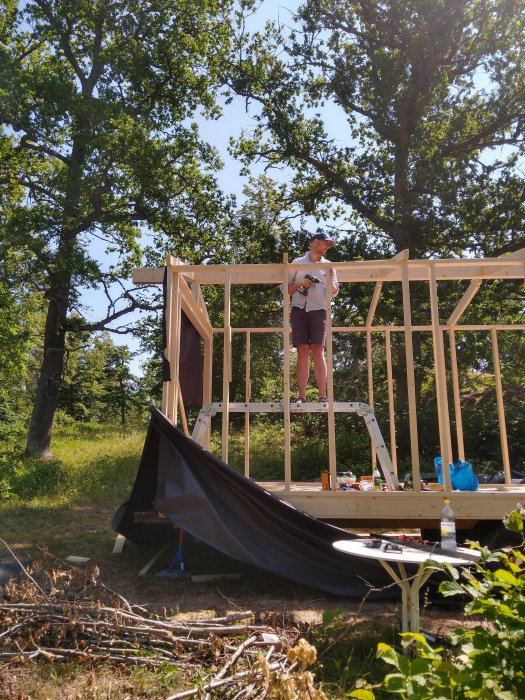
(201, 494)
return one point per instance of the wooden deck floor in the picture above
(399, 508)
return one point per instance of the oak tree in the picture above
(100, 150)
(429, 101)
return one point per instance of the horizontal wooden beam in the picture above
(507, 267)
(148, 275)
(383, 329)
(373, 507)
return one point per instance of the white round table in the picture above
(410, 586)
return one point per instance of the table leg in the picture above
(410, 588)
(419, 579)
(404, 585)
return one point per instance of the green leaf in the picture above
(404, 664)
(420, 665)
(506, 577)
(330, 615)
(388, 654)
(450, 588)
(361, 694)
(394, 682)
(514, 521)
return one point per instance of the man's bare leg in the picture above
(303, 368)
(320, 370)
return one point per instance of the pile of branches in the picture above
(67, 613)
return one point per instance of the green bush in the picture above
(345, 651)
(487, 661)
(26, 478)
(11, 464)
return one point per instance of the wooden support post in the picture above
(391, 407)
(332, 455)
(175, 348)
(370, 366)
(167, 386)
(182, 411)
(173, 304)
(247, 397)
(501, 407)
(286, 378)
(457, 394)
(226, 365)
(411, 382)
(370, 373)
(441, 380)
(207, 384)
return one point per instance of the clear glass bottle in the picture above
(376, 476)
(448, 527)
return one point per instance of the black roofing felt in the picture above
(211, 501)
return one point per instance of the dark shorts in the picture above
(308, 327)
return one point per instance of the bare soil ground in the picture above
(87, 532)
(290, 609)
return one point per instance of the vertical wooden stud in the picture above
(168, 314)
(501, 406)
(332, 456)
(370, 372)
(226, 365)
(286, 377)
(457, 394)
(411, 381)
(441, 380)
(207, 383)
(370, 367)
(247, 398)
(391, 407)
(173, 395)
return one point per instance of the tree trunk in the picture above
(45, 403)
(60, 279)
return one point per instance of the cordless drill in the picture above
(302, 290)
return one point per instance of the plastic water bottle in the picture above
(376, 476)
(448, 527)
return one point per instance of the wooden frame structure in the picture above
(417, 507)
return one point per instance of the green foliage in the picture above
(345, 653)
(98, 384)
(94, 464)
(486, 661)
(99, 146)
(21, 321)
(27, 478)
(425, 96)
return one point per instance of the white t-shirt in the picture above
(316, 297)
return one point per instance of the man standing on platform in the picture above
(308, 314)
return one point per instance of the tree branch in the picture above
(28, 142)
(134, 305)
(63, 35)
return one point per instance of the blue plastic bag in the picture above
(462, 476)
